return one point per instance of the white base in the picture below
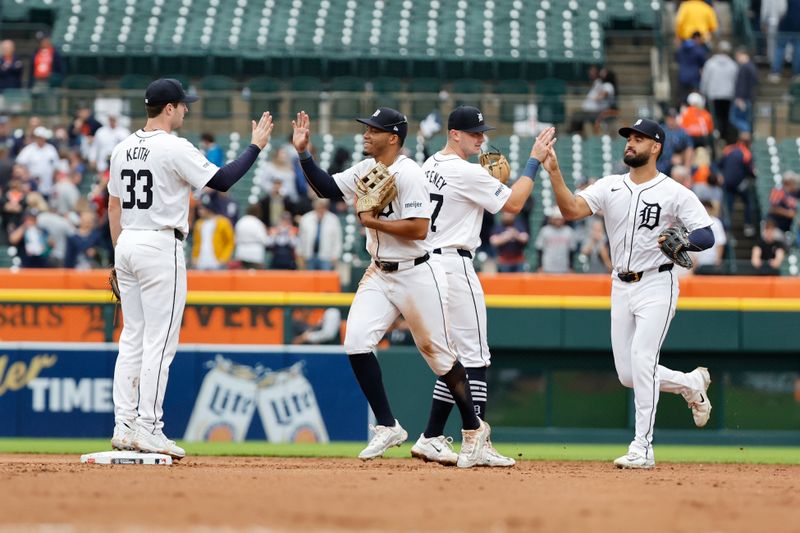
(126, 458)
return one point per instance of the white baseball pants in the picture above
(640, 316)
(152, 279)
(467, 306)
(418, 293)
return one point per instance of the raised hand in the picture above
(302, 131)
(544, 142)
(551, 161)
(262, 130)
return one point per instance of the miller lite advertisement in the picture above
(300, 393)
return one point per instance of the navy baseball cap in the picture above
(467, 118)
(388, 119)
(648, 128)
(167, 91)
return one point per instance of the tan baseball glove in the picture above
(376, 189)
(496, 164)
(114, 284)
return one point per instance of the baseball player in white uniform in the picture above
(459, 192)
(401, 279)
(152, 175)
(636, 207)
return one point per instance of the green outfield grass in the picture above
(533, 452)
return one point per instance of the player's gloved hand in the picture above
(262, 130)
(301, 134)
(376, 189)
(496, 164)
(544, 142)
(114, 285)
(674, 243)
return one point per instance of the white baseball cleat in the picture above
(147, 442)
(635, 460)
(435, 449)
(383, 438)
(123, 437)
(491, 457)
(473, 443)
(698, 399)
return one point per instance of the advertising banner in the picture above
(300, 393)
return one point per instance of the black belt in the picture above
(462, 253)
(633, 277)
(178, 234)
(393, 266)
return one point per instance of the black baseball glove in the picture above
(675, 245)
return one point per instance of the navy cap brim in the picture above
(370, 122)
(626, 132)
(190, 98)
(479, 129)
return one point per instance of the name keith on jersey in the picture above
(435, 179)
(139, 152)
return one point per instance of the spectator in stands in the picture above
(772, 11)
(11, 67)
(66, 194)
(768, 252)
(6, 168)
(213, 239)
(84, 127)
(251, 239)
(273, 205)
(744, 96)
(600, 98)
(555, 244)
(695, 16)
(682, 175)
(718, 85)
(709, 261)
(32, 242)
(221, 203)
(705, 179)
(324, 331)
(13, 205)
(6, 139)
(319, 238)
(23, 138)
(282, 243)
(736, 174)
(57, 227)
(40, 158)
(510, 239)
(280, 168)
(783, 201)
(696, 120)
(340, 162)
(789, 34)
(212, 150)
(46, 63)
(82, 247)
(691, 55)
(105, 139)
(595, 249)
(677, 148)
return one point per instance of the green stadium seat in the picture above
(468, 91)
(134, 86)
(265, 95)
(216, 100)
(305, 95)
(509, 106)
(346, 96)
(425, 97)
(550, 99)
(794, 103)
(385, 91)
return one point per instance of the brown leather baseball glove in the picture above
(376, 189)
(496, 164)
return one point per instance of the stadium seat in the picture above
(468, 91)
(216, 99)
(794, 103)
(346, 96)
(512, 109)
(550, 99)
(265, 96)
(134, 86)
(425, 97)
(385, 91)
(305, 95)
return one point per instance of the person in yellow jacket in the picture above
(695, 16)
(213, 240)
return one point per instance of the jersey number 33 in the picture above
(132, 198)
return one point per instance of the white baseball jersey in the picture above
(152, 173)
(411, 202)
(459, 192)
(634, 216)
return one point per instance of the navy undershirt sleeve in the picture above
(701, 239)
(319, 180)
(233, 171)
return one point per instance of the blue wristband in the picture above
(305, 154)
(531, 168)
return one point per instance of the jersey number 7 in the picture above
(131, 178)
(439, 199)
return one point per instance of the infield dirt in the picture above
(279, 494)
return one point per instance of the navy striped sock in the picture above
(479, 387)
(442, 405)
